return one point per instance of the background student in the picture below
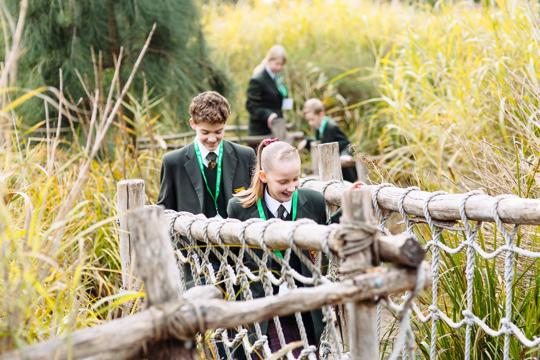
(267, 95)
(274, 193)
(327, 131)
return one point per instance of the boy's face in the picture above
(282, 180)
(210, 135)
(314, 120)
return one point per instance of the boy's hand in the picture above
(302, 145)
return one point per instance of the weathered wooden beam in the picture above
(333, 192)
(130, 195)
(356, 257)
(158, 269)
(512, 210)
(119, 338)
(398, 249)
(329, 163)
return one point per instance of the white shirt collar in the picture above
(204, 152)
(272, 75)
(273, 205)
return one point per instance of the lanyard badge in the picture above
(218, 176)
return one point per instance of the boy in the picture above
(202, 177)
(327, 131)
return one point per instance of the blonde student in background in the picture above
(267, 94)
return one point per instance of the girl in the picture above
(274, 193)
(267, 95)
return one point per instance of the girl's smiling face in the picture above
(282, 180)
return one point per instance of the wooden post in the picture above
(361, 170)
(329, 163)
(156, 265)
(314, 153)
(361, 316)
(279, 129)
(130, 195)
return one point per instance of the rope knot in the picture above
(434, 312)
(357, 238)
(506, 328)
(468, 316)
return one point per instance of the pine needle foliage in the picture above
(82, 36)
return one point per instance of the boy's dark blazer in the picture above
(182, 186)
(263, 99)
(311, 205)
(333, 133)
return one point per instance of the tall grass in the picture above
(59, 265)
(441, 96)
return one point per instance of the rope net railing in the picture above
(483, 261)
(483, 272)
(244, 272)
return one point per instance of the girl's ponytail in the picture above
(250, 196)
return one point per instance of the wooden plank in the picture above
(361, 317)
(122, 338)
(329, 163)
(157, 267)
(130, 195)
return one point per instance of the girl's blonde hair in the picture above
(268, 152)
(275, 52)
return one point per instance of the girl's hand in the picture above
(357, 185)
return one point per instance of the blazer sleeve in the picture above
(232, 208)
(255, 100)
(167, 192)
(309, 140)
(336, 134)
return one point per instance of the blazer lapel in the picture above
(194, 173)
(301, 210)
(229, 168)
(270, 82)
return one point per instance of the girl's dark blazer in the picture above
(263, 99)
(311, 205)
(182, 186)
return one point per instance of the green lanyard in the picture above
(262, 215)
(324, 124)
(281, 86)
(218, 177)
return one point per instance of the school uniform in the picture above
(311, 205)
(183, 187)
(263, 99)
(332, 133)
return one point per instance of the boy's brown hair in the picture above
(209, 107)
(314, 105)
